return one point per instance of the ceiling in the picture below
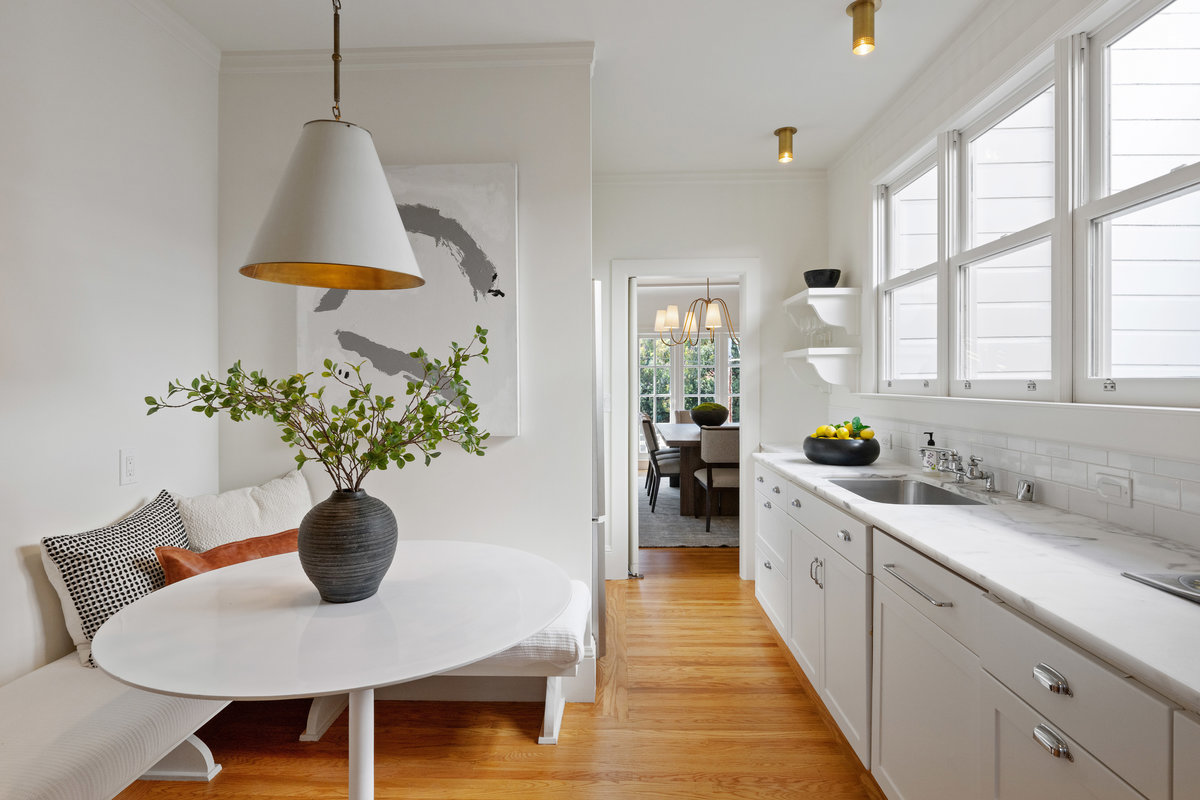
(679, 85)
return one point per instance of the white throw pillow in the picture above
(216, 519)
(99, 572)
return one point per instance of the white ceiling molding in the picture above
(382, 58)
(781, 175)
(179, 28)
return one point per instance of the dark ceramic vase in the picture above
(841, 452)
(346, 545)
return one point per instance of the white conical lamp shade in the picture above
(333, 222)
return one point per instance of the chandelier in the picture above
(711, 309)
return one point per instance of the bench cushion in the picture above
(558, 646)
(70, 733)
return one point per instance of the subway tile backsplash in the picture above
(1166, 492)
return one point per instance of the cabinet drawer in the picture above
(950, 601)
(774, 527)
(771, 585)
(845, 534)
(1019, 763)
(1121, 722)
(768, 482)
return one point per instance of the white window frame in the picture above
(1096, 205)
(921, 163)
(675, 369)
(1053, 229)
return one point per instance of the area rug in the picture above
(665, 528)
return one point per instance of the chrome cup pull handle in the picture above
(890, 569)
(1052, 742)
(776, 490)
(796, 503)
(843, 535)
(1052, 679)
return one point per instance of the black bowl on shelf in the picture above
(841, 452)
(822, 278)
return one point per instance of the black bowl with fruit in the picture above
(847, 444)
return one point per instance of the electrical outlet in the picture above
(128, 467)
(1115, 490)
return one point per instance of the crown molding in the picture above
(381, 58)
(179, 29)
(783, 175)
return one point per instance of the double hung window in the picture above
(1049, 248)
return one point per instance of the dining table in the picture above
(260, 631)
(686, 437)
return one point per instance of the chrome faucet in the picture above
(950, 461)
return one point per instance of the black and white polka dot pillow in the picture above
(99, 572)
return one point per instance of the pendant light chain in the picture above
(337, 59)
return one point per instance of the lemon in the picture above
(843, 433)
(819, 432)
(866, 433)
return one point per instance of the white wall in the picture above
(532, 491)
(781, 222)
(993, 48)
(652, 298)
(108, 218)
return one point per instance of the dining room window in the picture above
(699, 373)
(654, 379)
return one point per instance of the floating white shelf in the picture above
(838, 307)
(833, 365)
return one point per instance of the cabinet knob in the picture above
(1054, 744)
(776, 490)
(796, 502)
(843, 535)
(767, 505)
(767, 564)
(1052, 679)
(759, 479)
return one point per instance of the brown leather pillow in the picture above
(179, 563)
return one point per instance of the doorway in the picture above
(629, 330)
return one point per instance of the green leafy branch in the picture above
(361, 435)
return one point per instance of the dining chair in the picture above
(662, 463)
(719, 450)
(683, 417)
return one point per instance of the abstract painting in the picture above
(462, 223)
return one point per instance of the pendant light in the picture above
(706, 313)
(785, 143)
(862, 12)
(333, 223)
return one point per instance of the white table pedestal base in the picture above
(362, 744)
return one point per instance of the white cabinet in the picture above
(925, 683)
(1187, 755)
(1107, 716)
(772, 549)
(1027, 756)
(831, 626)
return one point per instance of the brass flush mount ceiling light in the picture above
(785, 143)
(863, 27)
(333, 223)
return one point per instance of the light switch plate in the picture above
(1115, 490)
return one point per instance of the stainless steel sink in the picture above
(903, 491)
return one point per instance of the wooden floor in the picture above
(697, 699)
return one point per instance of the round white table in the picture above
(259, 630)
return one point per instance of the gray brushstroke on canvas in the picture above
(449, 233)
(387, 360)
(332, 300)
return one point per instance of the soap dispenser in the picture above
(929, 457)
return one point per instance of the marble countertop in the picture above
(1061, 569)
